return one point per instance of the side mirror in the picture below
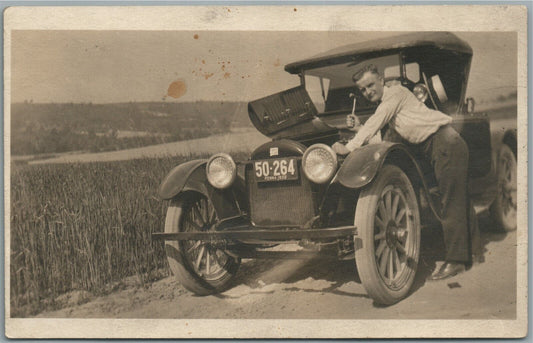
(470, 105)
(421, 92)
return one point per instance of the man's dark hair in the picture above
(368, 68)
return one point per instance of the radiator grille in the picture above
(285, 203)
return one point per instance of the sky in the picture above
(123, 66)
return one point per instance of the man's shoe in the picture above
(447, 270)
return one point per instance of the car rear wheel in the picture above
(388, 241)
(201, 267)
(503, 209)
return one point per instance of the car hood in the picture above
(288, 114)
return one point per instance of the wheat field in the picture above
(83, 226)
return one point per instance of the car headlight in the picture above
(221, 171)
(319, 163)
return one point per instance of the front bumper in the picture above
(248, 233)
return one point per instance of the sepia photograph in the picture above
(265, 172)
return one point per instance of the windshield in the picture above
(330, 87)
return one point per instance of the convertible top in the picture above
(439, 40)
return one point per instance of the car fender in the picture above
(361, 165)
(509, 138)
(190, 177)
(180, 177)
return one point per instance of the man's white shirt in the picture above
(411, 119)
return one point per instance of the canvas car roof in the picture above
(441, 40)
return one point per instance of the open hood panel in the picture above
(288, 114)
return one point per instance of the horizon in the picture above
(31, 102)
(126, 102)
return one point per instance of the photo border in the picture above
(488, 18)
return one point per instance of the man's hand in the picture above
(353, 122)
(340, 149)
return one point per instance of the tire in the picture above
(387, 246)
(503, 209)
(199, 266)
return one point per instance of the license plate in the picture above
(276, 169)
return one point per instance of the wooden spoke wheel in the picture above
(388, 240)
(201, 267)
(503, 209)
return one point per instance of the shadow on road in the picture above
(257, 273)
(433, 251)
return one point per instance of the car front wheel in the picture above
(201, 267)
(387, 244)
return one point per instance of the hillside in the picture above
(53, 128)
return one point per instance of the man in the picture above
(430, 131)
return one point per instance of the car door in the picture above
(475, 130)
(473, 127)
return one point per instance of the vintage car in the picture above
(369, 205)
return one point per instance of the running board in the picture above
(258, 233)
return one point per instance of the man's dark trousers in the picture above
(448, 154)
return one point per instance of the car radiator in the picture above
(281, 203)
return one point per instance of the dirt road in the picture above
(239, 141)
(328, 289)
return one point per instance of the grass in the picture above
(84, 226)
